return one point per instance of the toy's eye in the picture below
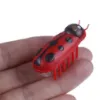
(79, 33)
(38, 61)
(49, 57)
(77, 29)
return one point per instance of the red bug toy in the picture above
(60, 52)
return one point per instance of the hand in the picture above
(19, 81)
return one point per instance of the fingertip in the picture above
(64, 97)
(81, 69)
(70, 97)
(85, 53)
(87, 66)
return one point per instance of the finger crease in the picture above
(5, 56)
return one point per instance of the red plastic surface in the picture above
(62, 58)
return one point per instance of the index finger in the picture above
(18, 52)
(48, 88)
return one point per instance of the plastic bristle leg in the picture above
(55, 74)
(59, 71)
(68, 61)
(77, 52)
(64, 66)
(72, 57)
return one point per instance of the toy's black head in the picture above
(74, 29)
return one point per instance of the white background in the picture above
(26, 18)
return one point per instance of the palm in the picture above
(18, 81)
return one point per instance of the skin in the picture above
(19, 81)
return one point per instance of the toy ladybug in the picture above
(60, 52)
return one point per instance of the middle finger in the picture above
(48, 88)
